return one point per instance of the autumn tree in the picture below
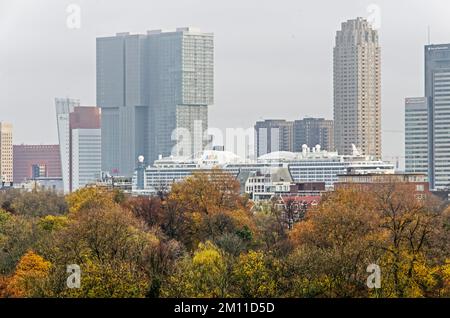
(207, 192)
(204, 275)
(105, 242)
(272, 232)
(90, 197)
(412, 224)
(17, 236)
(334, 246)
(31, 271)
(39, 202)
(149, 209)
(254, 277)
(205, 206)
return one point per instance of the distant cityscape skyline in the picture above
(414, 36)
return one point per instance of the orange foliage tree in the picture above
(31, 272)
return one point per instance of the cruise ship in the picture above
(310, 165)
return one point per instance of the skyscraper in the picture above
(6, 153)
(64, 106)
(151, 89)
(437, 91)
(417, 135)
(427, 119)
(85, 146)
(273, 135)
(357, 89)
(312, 132)
(80, 143)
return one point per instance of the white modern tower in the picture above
(357, 89)
(80, 143)
(64, 106)
(86, 157)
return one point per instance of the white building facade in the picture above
(86, 157)
(64, 106)
(79, 136)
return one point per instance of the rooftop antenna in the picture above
(429, 35)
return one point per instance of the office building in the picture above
(357, 89)
(263, 186)
(409, 182)
(427, 121)
(32, 162)
(417, 135)
(6, 153)
(154, 90)
(273, 135)
(312, 132)
(437, 91)
(64, 106)
(80, 143)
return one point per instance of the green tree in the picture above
(17, 235)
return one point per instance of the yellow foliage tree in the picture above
(30, 272)
(335, 244)
(89, 197)
(110, 280)
(50, 223)
(446, 279)
(253, 278)
(202, 276)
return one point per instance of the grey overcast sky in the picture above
(273, 58)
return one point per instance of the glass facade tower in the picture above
(154, 90)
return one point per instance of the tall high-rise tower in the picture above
(154, 91)
(64, 106)
(6, 153)
(427, 121)
(79, 143)
(357, 89)
(437, 92)
(417, 135)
